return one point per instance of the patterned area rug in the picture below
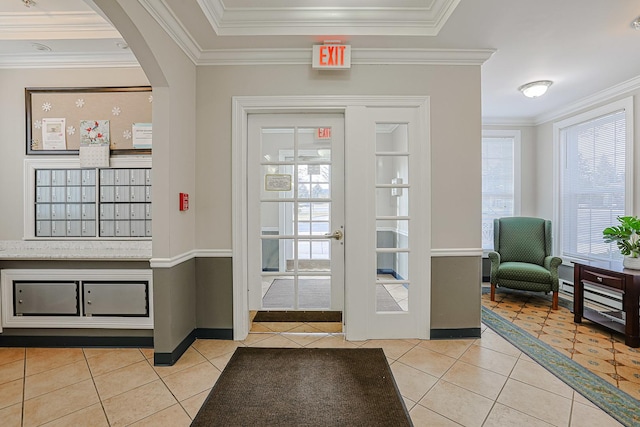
(564, 348)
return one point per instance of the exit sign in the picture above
(331, 56)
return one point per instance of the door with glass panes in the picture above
(295, 212)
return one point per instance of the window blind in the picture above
(592, 187)
(497, 184)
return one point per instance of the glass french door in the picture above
(295, 212)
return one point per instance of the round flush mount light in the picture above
(636, 23)
(535, 89)
(41, 47)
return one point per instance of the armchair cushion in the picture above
(524, 272)
(521, 239)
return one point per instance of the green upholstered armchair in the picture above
(522, 256)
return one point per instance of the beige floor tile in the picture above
(173, 416)
(457, 404)
(588, 416)
(428, 361)
(333, 341)
(137, 404)
(114, 360)
(147, 353)
(11, 354)
(93, 352)
(312, 329)
(59, 403)
(277, 341)
(305, 339)
(577, 397)
(191, 381)
(11, 416)
(192, 405)
(489, 359)
(11, 393)
(11, 371)
(393, 349)
(215, 348)
(412, 383)
(93, 416)
(408, 403)
(54, 379)
(189, 358)
(478, 380)
(423, 417)
(253, 338)
(548, 406)
(44, 359)
(124, 379)
(279, 326)
(221, 362)
(537, 376)
(495, 342)
(330, 327)
(503, 416)
(259, 327)
(451, 348)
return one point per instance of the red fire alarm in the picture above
(184, 201)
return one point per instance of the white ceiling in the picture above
(589, 48)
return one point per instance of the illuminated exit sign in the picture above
(331, 56)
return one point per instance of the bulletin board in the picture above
(125, 113)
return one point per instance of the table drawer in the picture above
(603, 279)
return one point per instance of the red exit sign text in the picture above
(332, 56)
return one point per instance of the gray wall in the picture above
(455, 293)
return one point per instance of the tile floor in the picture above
(592, 346)
(484, 382)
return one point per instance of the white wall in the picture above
(455, 136)
(13, 127)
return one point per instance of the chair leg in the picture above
(493, 292)
(554, 305)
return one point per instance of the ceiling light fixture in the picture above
(28, 3)
(41, 47)
(535, 89)
(636, 23)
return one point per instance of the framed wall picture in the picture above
(56, 118)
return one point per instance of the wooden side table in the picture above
(613, 278)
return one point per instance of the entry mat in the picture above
(298, 316)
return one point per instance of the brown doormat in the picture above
(298, 316)
(305, 387)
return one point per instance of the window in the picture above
(500, 179)
(595, 170)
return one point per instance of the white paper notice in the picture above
(141, 135)
(53, 134)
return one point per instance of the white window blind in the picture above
(498, 183)
(592, 187)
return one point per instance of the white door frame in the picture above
(242, 106)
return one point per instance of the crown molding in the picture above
(591, 101)
(358, 56)
(55, 26)
(347, 20)
(501, 121)
(65, 60)
(165, 17)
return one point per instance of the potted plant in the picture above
(627, 238)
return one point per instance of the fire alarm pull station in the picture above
(184, 201)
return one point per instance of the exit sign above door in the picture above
(331, 56)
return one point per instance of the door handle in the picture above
(335, 235)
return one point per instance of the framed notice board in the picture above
(58, 120)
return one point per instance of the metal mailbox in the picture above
(45, 298)
(115, 299)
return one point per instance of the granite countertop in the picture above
(117, 250)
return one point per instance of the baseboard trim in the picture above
(169, 359)
(74, 341)
(441, 334)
